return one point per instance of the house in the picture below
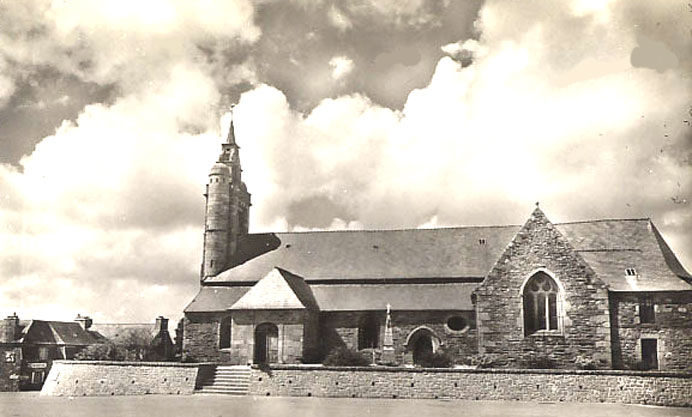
(606, 293)
(29, 347)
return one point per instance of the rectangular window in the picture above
(43, 353)
(37, 377)
(225, 333)
(650, 353)
(647, 314)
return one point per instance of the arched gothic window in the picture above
(541, 304)
(368, 332)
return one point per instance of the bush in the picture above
(482, 360)
(105, 352)
(584, 362)
(435, 360)
(343, 356)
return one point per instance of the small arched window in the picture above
(225, 333)
(368, 332)
(541, 299)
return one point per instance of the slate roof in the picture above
(349, 297)
(278, 290)
(328, 261)
(42, 332)
(114, 331)
(354, 297)
(368, 254)
(609, 246)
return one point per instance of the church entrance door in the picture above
(422, 347)
(266, 343)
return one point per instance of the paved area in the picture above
(31, 405)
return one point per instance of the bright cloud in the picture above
(341, 66)
(106, 214)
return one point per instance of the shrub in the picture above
(482, 360)
(435, 360)
(105, 352)
(343, 356)
(584, 362)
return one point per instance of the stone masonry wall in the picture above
(291, 336)
(585, 322)
(341, 329)
(672, 329)
(201, 338)
(98, 378)
(10, 367)
(671, 389)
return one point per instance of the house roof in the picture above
(58, 332)
(115, 331)
(609, 246)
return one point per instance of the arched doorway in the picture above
(266, 343)
(421, 342)
(422, 347)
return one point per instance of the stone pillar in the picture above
(388, 356)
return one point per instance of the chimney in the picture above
(84, 321)
(161, 324)
(8, 333)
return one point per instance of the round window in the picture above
(456, 323)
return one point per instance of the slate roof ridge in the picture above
(624, 219)
(409, 229)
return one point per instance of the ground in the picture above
(32, 405)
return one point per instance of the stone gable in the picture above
(583, 316)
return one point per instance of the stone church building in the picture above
(609, 293)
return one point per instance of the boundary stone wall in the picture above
(630, 387)
(97, 378)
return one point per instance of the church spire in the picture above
(230, 139)
(229, 150)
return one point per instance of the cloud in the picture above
(106, 214)
(480, 143)
(341, 66)
(653, 54)
(110, 205)
(339, 19)
(128, 43)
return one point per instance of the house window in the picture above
(43, 353)
(225, 333)
(368, 332)
(631, 272)
(646, 310)
(541, 296)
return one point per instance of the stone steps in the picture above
(229, 380)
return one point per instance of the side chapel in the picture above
(609, 292)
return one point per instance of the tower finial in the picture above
(537, 204)
(231, 134)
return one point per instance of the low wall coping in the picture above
(576, 372)
(130, 363)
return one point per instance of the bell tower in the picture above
(227, 209)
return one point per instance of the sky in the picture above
(351, 114)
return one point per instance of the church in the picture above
(606, 293)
